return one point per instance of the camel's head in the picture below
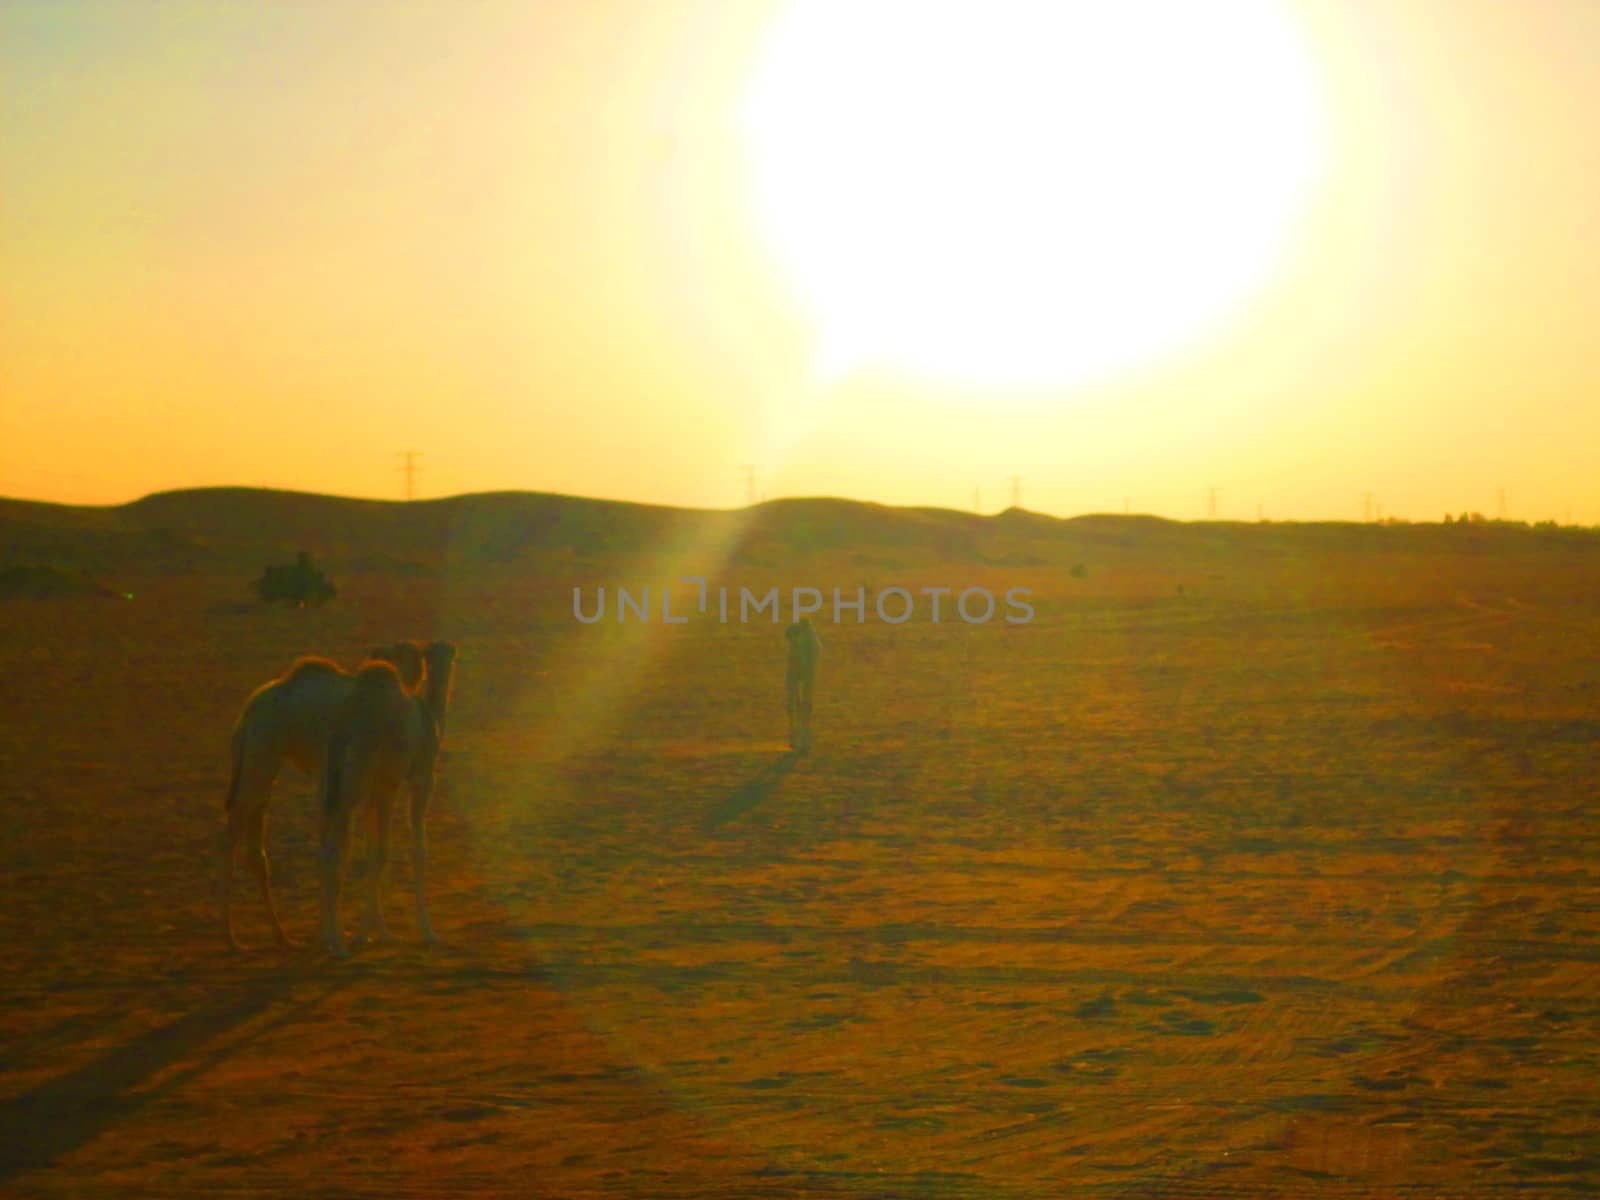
(440, 658)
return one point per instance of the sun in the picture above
(1004, 193)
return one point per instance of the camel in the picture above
(805, 647)
(384, 736)
(288, 718)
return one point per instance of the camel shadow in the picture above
(50, 1121)
(753, 792)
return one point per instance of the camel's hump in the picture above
(377, 674)
(309, 666)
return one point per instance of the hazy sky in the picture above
(1319, 249)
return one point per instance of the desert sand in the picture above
(1279, 884)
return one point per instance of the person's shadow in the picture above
(754, 791)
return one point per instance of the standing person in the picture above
(805, 647)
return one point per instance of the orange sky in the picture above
(277, 244)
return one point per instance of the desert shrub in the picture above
(300, 584)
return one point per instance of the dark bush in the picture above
(300, 584)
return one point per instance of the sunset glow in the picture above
(973, 598)
(702, 252)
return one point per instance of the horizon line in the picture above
(1466, 516)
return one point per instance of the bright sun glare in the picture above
(1029, 194)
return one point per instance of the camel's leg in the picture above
(226, 851)
(335, 836)
(246, 816)
(372, 922)
(256, 850)
(421, 793)
(371, 813)
(791, 706)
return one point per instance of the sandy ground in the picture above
(1284, 887)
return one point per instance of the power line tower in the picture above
(750, 483)
(1211, 501)
(410, 470)
(1366, 506)
(1016, 490)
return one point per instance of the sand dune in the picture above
(204, 528)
